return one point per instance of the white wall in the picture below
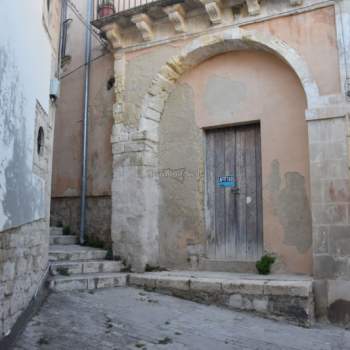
(25, 65)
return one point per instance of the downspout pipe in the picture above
(85, 143)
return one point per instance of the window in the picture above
(40, 141)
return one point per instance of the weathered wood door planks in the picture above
(234, 216)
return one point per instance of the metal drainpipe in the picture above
(60, 49)
(89, 18)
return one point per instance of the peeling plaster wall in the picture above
(181, 170)
(21, 62)
(27, 61)
(230, 89)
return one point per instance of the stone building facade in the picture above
(28, 61)
(187, 71)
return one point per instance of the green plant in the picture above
(127, 267)
(94, 242)
(264, 264)
(109, 254)
(150, 268)
(66, 230)
(43, 341)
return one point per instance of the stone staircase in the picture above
(75, 267)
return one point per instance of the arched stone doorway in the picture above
(135, 228)
(226, 91)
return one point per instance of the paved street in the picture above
(126, 318)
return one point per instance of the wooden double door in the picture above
(234, 193)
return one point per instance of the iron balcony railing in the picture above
(106, 8)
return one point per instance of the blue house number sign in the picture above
(227, 181)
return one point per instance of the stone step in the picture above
(88, 281)
(75, 252)
(85, 266)
(62, 240)
(56, 231)
(274, 296)
(227, 266)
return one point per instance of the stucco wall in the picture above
(28, 56)
(21, 191)
(67, 161)
(231, 89)
(313, 35)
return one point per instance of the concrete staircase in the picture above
(75, 267)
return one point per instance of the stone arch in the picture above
(208, 46)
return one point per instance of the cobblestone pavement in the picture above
(127, 318)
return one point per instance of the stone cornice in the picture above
(184, 21)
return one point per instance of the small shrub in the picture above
(264, 264)
(126, 268)
(66, 230)
(165, 340)
(150, 268)
(63, 271)
(43, 341)
(94, 242)
(109, 254)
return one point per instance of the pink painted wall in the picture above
(247, 86)
(313, 35)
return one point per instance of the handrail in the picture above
(104, 8)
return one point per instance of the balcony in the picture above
(105, 8)
(119, 20)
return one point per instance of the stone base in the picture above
(88, 281)
(227, 266)
(275, 296)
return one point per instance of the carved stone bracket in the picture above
(253, 7)
(112, 32)
(296, 2)
(214, 10)
(177, 14)
(144, 25)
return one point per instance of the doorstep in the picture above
(287, 297)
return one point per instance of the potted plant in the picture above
(105, 8)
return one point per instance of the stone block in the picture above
(205, 285)
(260, 304)
(329, 214)
(320, 239)
(134, 146)
(337, 190)
(255, 287)
(173, 283)
(152, 114)
(236, 301)
(288, 288)
(339, 240)
(118, 148)
(142, 281)
(320, 288)
(324, 266)
(8, 271)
